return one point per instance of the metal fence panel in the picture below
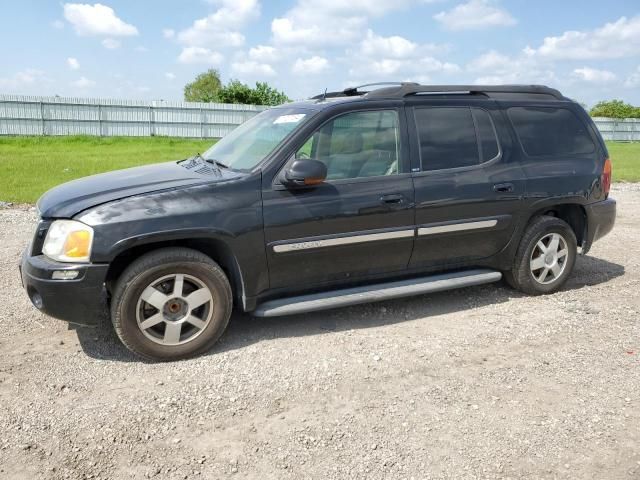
(619, 129)
(32, 115)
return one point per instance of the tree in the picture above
(237, 92)
(614, 109)
(205, 88)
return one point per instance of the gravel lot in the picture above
(475, 383)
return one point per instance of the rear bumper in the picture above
(601, 216)
(81, 300)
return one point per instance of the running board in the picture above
(375, 293)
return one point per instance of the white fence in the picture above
(27, 115)
(619, 129)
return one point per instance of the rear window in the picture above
(453, 137)
(550, 131)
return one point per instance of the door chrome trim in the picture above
(457, 227)
(332, 242)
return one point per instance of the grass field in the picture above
(32, 165)
(625, 158)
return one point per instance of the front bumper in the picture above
(81, 300)
(601, 216)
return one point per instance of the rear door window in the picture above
(453, 137)
(550, 131)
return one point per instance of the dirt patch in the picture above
(476, 383)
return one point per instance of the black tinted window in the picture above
(550, 131)
(447, 138)
(487, 135)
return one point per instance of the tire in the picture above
(154, 312)
(531, 260)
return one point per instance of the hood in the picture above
(68, 199)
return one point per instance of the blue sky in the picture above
(150, 49)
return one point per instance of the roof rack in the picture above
(405, 89)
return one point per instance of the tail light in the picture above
(605, 179)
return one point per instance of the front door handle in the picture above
(392, 199)
(503, 187)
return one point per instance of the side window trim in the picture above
(404, 168)
(495, 135)
(415, 143)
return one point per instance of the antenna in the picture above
(324, 95)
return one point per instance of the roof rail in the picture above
(407, 89)
(355, 91)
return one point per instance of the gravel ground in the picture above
(476, 383)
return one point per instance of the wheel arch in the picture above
(215, 248)
(574, 214)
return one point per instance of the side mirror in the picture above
(304, 173)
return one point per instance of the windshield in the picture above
(251, 142)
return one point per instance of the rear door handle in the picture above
(503, 187)
(392, 199)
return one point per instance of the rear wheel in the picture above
(170, 304)
(545, 258)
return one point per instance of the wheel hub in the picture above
(175, 309)
(549, 258)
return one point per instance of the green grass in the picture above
(32, 165)
(625, 158)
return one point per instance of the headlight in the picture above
(68, 241)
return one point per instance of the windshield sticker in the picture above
(289, 118)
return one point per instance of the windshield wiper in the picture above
(216, 162)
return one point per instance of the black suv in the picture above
(349, 197)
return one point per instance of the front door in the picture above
(360, 222)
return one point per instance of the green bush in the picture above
(614, 109)
(207, 87)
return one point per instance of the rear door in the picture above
(359, 223)
(469, 187)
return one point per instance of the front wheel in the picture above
(170, 304)
(545, 257)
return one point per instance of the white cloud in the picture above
(168, 33)
(110, 43)
(96, 19)
(221, 27)
(328, 22)
(613, 40)
(170, 76)
(474, 15)
(491, 60)
(253, 68)
(263, 53)
(633, 80)
(73, 63)
(200, 55)
(83, 82)
(22, 79)
(496, 68)
(593, 75)
(310, 65)
(394, 46)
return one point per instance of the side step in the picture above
(375, 293)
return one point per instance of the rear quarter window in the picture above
(544, 131)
